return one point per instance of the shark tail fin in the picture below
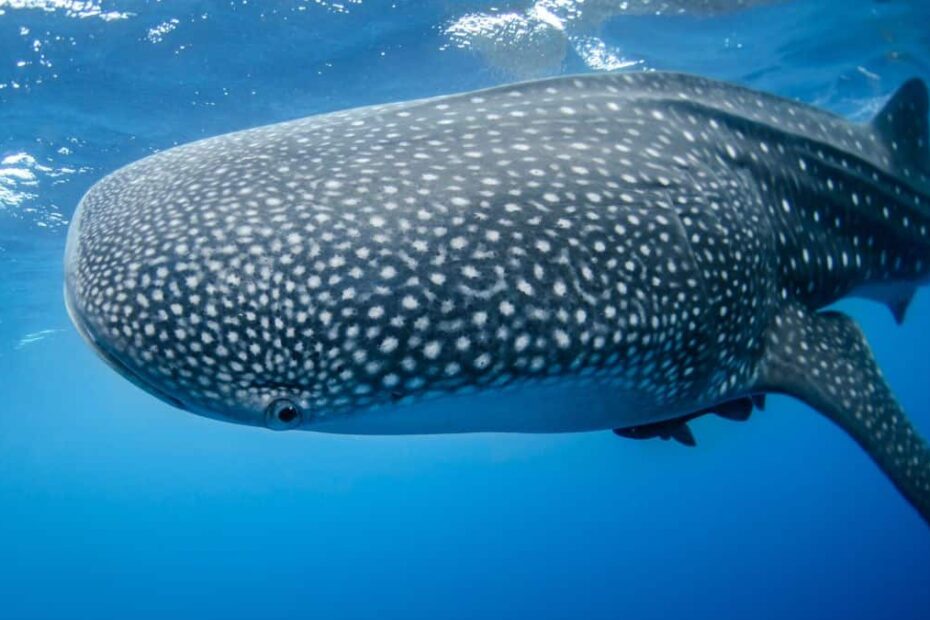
(902, 127)
(824, 360)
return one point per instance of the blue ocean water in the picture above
(114, 505)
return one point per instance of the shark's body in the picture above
(619, 251)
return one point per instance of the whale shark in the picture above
(620, 252)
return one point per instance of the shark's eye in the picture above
(282, 415)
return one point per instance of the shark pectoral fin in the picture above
(824, 360)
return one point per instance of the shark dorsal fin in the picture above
(902, 126)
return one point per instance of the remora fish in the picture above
(619, 251)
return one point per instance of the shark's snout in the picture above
(75, 306)
(146, 290)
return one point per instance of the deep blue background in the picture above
(114, 505)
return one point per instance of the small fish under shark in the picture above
(614, 251)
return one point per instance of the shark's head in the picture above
(185, 274)
(181, 345)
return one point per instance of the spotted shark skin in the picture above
(614, 250)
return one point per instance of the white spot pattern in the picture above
(618, 226)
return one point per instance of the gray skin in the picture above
(616, 251)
